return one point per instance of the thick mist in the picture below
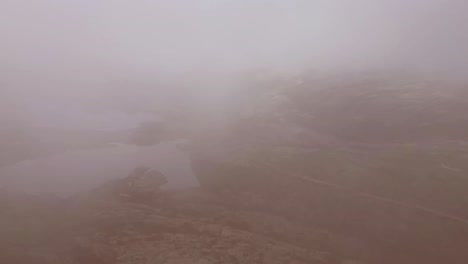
(233, 131)
(88, 46)
(71, 67)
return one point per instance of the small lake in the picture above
(78, 171)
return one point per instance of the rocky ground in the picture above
(184, 227)
(339, 171)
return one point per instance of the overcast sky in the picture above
(148, 34)
(77, 47)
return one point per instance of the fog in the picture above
(62, 62)
(94, 45)
(293, 115)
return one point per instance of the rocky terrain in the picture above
(185, 227)
(337, 170)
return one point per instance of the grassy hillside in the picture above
(380, 158)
